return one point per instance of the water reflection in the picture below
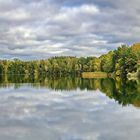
(124, 92)
(68, 108)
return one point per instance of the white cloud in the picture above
(18, 14)
(84, 9)
(69, 27)
(69, 13)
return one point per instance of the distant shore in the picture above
(94, 75)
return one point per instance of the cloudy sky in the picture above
(36, 29)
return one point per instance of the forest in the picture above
(125, 59)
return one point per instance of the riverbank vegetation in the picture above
(94, 75)
(120, 62)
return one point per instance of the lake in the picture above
(69, 108)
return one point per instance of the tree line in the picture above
(121, 61)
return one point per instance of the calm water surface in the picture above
(60, 109)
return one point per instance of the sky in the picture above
(39, 29)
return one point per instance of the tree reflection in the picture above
(123, 91)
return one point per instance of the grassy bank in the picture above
(94, 75)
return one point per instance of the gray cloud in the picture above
(32, 29)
